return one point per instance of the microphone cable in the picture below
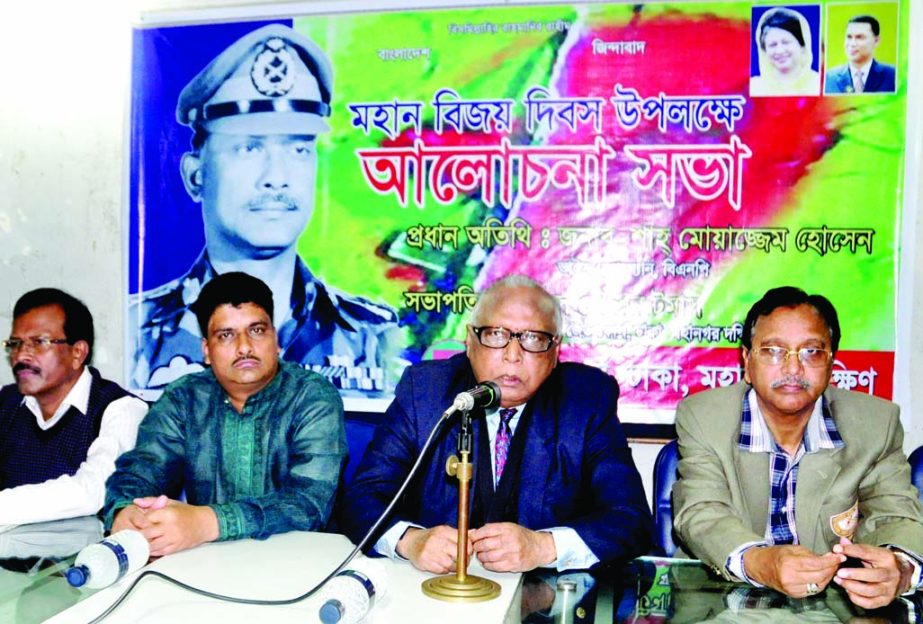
(437, 428)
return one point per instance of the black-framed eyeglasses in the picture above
(34, 344)
(531, 340)
(812, 357)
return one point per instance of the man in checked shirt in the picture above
(787, 482)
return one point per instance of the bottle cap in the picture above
(567, 585)
(77, 575)
(332, 611)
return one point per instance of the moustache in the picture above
(791, 380)
(22, 366)
(245, 358)
(272, 199)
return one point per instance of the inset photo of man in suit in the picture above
(867, 39)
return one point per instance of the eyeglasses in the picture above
(811, 357)
(36, 345)
(530, 340)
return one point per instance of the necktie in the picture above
(857, 82)
(502, 443)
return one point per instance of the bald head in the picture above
(547, 304)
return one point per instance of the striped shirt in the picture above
(755, 437)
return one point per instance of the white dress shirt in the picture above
(572, 551)
(82, 493)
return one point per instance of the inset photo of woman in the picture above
(784, 54)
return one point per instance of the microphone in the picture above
(486, 394)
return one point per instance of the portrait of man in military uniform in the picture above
(255, 112)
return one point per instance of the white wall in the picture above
(910, 347)
(65, 69)
(65, 73)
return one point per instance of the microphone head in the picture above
(491, 388)
(486, 394)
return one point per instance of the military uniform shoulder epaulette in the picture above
(153, 296)
(360, 309)
(159, 303)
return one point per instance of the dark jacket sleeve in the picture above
(386, 463)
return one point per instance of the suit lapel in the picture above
(751, 471)
(845, 80)
(873, 81)
(753, 475)
(816, 475)
(536, 462)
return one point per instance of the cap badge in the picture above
(273, 71)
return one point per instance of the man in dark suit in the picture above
(554, 483)
(862, 74)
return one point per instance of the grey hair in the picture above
(548, 303)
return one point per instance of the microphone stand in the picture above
(461, 587)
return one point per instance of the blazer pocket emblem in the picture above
(844, 524)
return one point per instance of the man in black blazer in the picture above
(564, 494)
(862, 74)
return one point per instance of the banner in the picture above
(655, 166)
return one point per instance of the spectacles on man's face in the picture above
(530, 340)
(36, 344)
(812, 357)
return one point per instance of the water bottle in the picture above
(352, 593)
(102, 564)
(567, 590)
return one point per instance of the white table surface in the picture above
(283, 566)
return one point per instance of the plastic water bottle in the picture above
(352, 593)
(102, 564)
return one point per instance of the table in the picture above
(658, 589)
(32, 559)
(648, 590)
(282, 566)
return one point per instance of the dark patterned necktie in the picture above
(502, 443)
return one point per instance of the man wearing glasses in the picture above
(554, 484)
(788, 483)
(62, 425)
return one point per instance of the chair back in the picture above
(664, 477)
(358, 435)
(916, 470)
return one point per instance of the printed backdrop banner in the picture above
(657, 167)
